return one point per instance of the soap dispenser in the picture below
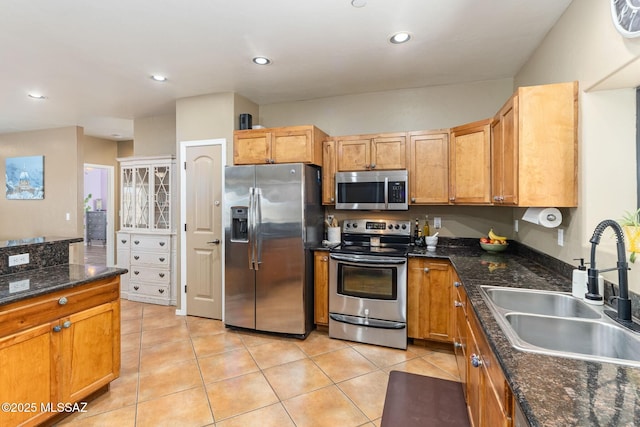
(579, 280)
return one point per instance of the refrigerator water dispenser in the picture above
(239, 226)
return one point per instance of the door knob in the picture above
(214, 242)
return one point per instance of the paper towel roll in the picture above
(547, 217)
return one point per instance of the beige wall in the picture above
(63, 185)
(155, 136)
(125, 148)
(585, 46)
(391, 111)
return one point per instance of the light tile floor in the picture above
(190, 371)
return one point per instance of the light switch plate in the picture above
(560, 237)
(515, 225)
(437, 222)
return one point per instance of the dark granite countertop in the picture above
(38, 241)
(32, 283)
(552, 391)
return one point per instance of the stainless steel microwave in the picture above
(372, 190)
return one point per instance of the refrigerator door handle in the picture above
(258, 233)
(251, 228)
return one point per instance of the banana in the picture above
(494, 236)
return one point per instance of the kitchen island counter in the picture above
(551, 391)
(32, 283)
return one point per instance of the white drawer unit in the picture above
(151, 261)
(123, 254)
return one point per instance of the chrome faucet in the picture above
(624, 303)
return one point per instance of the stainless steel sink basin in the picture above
(540, 302)
(557, 324)
(578, 337)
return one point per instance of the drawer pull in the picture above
(161, 291)
(66, 324)
(161, 274)
(63, 301)
(136, 257)
(161, 259)
(57, 328)
(458, 304)
(123, 241)
(161, 243)
(137, 242)
(136, 287)
(136, 272)
(426, 269)
(476, 361)
(457, 284)
(457, 344)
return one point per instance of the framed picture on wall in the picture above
(25, 178)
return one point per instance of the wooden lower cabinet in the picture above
(61, 361)
(429, 300)
(321, 288)
(489, 398)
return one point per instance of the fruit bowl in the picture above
(494, 247)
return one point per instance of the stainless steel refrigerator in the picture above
(273, 217)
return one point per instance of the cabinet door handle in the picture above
(66, 324)
(413, 200)
(137, 242)
(161, 259)
(123, 241)
(136, 287)
(136, 272)
(426, 269)
(161, 291)
(57, 328)
(214, 242)
(452, 199)
(325, 259)
(136, 257)
(333, 199)
(161, 274)
(63, 301)
(457, 284)
(457, 344)
(373, 166)
(161, 243)
(458, 304)
(476, 361)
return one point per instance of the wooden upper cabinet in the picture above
(293, 144)
(535, 153)
(371, 152)
(329, 172)
(428, 160)
(470, 163)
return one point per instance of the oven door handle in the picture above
(362, 321)
(363, 259)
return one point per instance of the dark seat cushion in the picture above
(416, 400)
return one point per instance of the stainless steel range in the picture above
(368, 282)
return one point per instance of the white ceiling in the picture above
(92, 59)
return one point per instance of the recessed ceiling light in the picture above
(261, 60)
(159, 78)
(36, 95)
(358, 3)
(401, 37)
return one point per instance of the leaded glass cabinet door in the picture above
(128, 198)
(142, 199)
(161, 197)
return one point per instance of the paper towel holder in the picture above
(547, 217)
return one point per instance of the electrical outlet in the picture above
(437, 222)
(560, 237)
(18, 259)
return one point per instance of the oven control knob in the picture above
(355, 225)
(348, 225)
(397, 226)
(390, 227)
(404, 226)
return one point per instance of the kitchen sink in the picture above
(540, 302)
(558, 324)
